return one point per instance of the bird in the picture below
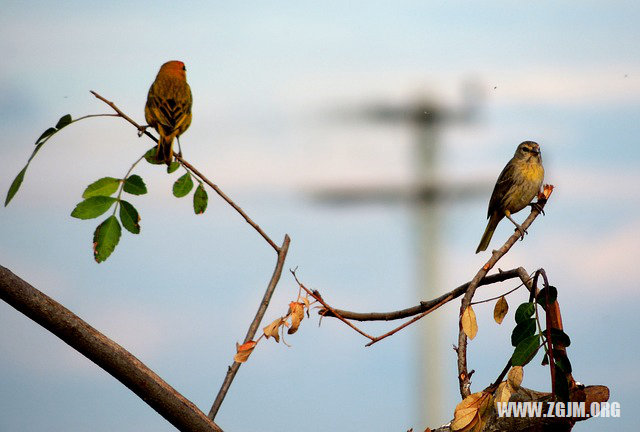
(168, 107)
(518, 184)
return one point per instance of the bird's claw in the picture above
(538, 207)
(522, 232)
(142, 130)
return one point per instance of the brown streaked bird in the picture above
(168, 108)
(518, 184)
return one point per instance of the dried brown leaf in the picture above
(472, 413)
(307, 305)
(244, 351)
(503, 393)
(515, 377)
(273, 329)
(297, 314)
(466, 411)
(500, 310)
(469, 323)
(485, 411)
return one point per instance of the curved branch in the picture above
(104, 352)
(464, 378)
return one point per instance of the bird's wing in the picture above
(168, 112)
(506, 180)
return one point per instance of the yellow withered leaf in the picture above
(273, 329)
(244, 351)
(501, 309)
(484, 413)
(515, 377)
(466, 413)
(469, 323)
(297, 314)
(306, 304)
(503, 393)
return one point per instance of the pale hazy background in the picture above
(267, 80)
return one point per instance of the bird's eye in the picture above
(184, 68)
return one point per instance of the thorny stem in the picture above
(195, 171)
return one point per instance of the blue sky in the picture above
(267, 81)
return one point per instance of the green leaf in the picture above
(524, 311)
(104, 187)
(172, 167)
(182, 186)
(46, 134)
(129, 217)
(105, 238)
(526, 350)
(64, 121)
(15, 185)
(522, 331)
(92, 207)
(550, 292)
(135, 185)
(150, 156)
(200, 200)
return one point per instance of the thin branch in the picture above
(411, 321)
(195, 171)
(498, 380)
(463, 373)
(316, 295)
(104, 352)
(497, 297)
(424, 305)
(229, 201)
(253, 328)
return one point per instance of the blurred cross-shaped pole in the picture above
(429, 191)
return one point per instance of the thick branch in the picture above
(463, 373)
(424, 305)
(253, 328)
(107, 354)
(593, 393)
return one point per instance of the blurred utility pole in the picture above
(427, 194)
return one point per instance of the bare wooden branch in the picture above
(104, 352)
(424, 305)
(316, 295)
(253, 328)
(464, 380)
(229, 201)
(195, 172)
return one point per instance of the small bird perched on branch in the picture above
(518, 184)
(168, 108)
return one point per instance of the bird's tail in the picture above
(165, 149)
(488, 232)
